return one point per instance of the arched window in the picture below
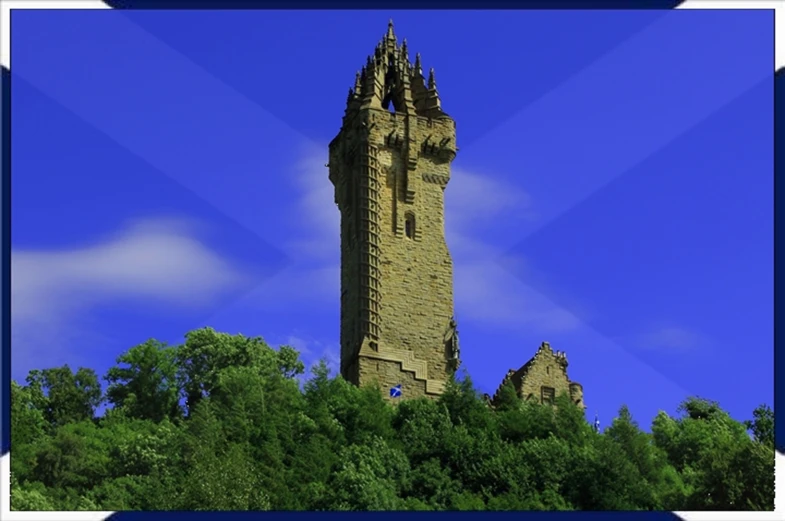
(409, 225)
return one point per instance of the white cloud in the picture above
(475, 201)
(313, 351)
(669, 338)
(316, 218)
(153, 261)
(485, 292)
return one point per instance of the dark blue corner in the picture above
(392, 516)
(779, 239)
(5, 219)
(400, 4)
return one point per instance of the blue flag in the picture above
(395, 392)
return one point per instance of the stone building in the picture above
(543, 378)
(390, 165)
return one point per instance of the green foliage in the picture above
(222, 423)
(722, 468)
(147, 386)
(64, 396)
(762, 425)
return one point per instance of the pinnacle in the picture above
(390, 32)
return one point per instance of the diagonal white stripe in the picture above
(168, 86)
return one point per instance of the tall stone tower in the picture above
(390, 165)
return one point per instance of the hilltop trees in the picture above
(226, 422)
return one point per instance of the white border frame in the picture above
(5, 60)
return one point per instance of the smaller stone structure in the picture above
(543, 378)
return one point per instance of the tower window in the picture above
(409, 225)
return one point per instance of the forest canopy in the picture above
(226, 422)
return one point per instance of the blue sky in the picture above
(612, 195)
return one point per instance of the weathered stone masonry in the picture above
(390, 165)
(543, 378)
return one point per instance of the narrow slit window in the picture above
(409, 225)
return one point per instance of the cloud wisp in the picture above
(485, 293)
(155, 261)
(313, 351)
(669, 339)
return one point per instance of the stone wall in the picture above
(390, 165)
(396, 287)
(546, 371)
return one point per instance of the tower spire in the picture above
(390, 32)
(431, 80)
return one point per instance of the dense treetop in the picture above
(225, 422)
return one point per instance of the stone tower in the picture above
(390, 165)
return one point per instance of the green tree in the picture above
(206, 353)
(465, 405)
(421, 426)
(28, 426)
(707, 446)
(145, 385)
(368, 477)
(289, 363)
(66, 396)
(662, 488)
(224, 480)
(604, 478)
(27, 418)
(253, 439)
(762, 425)
(30, 498)
(76, 457)
(531, 420)
(570, 422)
